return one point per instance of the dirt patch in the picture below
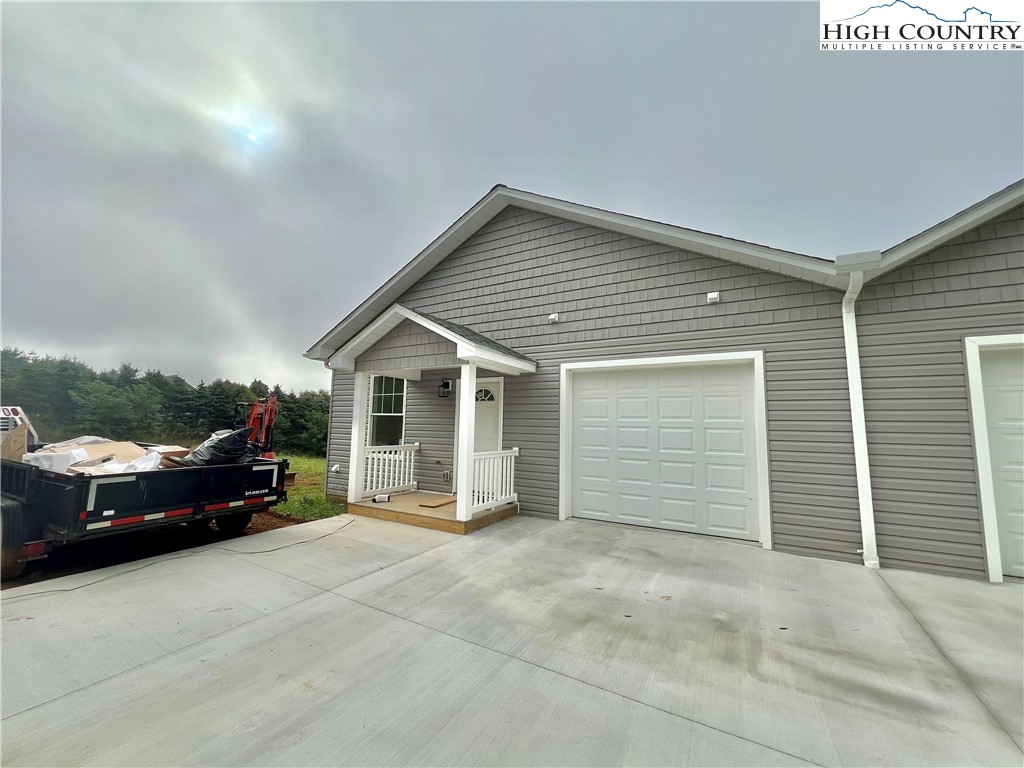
(269, 521)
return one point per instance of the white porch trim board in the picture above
(467, 435)
(979, 425)
(357, 455)
(344, 359)
(755, 357)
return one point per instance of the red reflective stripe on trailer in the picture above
(176, 512)
(128, 520)
(256, 501)
(210, 507)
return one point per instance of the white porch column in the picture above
(357, 452)
(467, 431)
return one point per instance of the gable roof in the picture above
(470, 346)
(831, 273)
(967, 219)
(797, 265)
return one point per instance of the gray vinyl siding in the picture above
(408, 346)
(619, 297)
(911, 324)
(430, 421)
(339, 436)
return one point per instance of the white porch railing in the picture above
(390, 468)
(494, 479)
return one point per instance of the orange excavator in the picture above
(262, 415)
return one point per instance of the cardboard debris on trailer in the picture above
(106, 457)
(122, 452)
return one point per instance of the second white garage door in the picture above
(666, 447)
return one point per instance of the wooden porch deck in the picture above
(406, 508)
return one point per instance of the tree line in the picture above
(65, 398)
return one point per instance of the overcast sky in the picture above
(207, 189)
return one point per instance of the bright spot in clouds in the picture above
(248, 125)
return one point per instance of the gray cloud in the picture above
(140, 222)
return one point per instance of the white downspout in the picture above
(860, 433)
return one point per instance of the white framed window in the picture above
(387, 411)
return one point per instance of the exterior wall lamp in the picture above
(445, 388)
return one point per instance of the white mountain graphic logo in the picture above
(876, 10)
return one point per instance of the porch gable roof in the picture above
(470, 346)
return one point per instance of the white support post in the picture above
(467, 431)
(357, 452)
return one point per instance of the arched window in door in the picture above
(484, 395)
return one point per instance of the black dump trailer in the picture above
(43, 509)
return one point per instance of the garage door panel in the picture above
(632, 408)
(728, 519)
(675, 408)
(677, 439)
(678, 474)
(594, 468)
(667, 447)
(593, 408)
(679, 514)
(635, 471)
(633, 438)
(725, 441)
(724, 408)
(595, 503)
(726, 477)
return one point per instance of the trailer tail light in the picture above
(14, 412)
(34, 549)
(82, 515)
(6, 411)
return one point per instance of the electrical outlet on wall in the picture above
(446, 475)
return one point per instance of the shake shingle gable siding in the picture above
(912, 323)
(622, 297)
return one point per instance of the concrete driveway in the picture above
(527, 643)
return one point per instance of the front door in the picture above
(487, 435)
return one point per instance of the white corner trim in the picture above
(979, 426)
(357, 451)
(755, 357)
(861, 458)
(764, 491)
(564, 440)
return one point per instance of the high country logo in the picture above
(903, 25)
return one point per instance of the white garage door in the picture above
(1002, 375)
(666, 447)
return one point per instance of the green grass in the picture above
(306, 499)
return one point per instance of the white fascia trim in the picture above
(933, 237)
(463, 227)
(865, 500)
(493, 360)
(749, 254)
(756, 357)
(979, 425)
(345, 358)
